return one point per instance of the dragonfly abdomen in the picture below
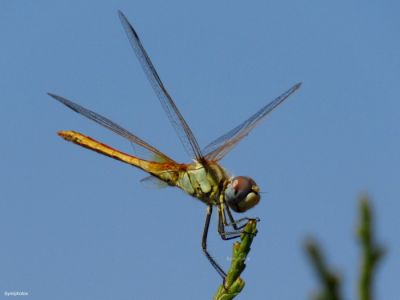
(89, 143)
(164, 171)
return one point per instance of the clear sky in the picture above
(77, 225)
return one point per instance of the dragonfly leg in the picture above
(225, 235)
(236, 223)
(204, 244)
(229, 235)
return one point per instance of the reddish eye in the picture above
(235, 183)
(242, 194)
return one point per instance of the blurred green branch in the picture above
(371, 253)
(233, 284)
(328, 279)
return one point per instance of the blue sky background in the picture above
(77, 225)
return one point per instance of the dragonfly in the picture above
(204, 178)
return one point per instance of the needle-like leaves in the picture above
(233, 284)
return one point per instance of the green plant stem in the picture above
(329, 280)
(371, 252)
(233, 284)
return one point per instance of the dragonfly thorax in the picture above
(242, 193)
(204, 181)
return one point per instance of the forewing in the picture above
(217, 149)
(107, 123)
(181, 127)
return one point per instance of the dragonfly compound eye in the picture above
(242, 193)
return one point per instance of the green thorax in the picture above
(203, 181)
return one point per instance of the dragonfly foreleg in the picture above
(225, 235)
(204, 244)
(236, 224)
(222, 224)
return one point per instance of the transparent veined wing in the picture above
(217, 149)
(107, 123)
(181, 127)
(153, 182)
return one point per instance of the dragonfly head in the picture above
(242, 193)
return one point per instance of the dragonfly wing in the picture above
(217, 149)
(107, 123)
(181, 127)
(153, 182)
